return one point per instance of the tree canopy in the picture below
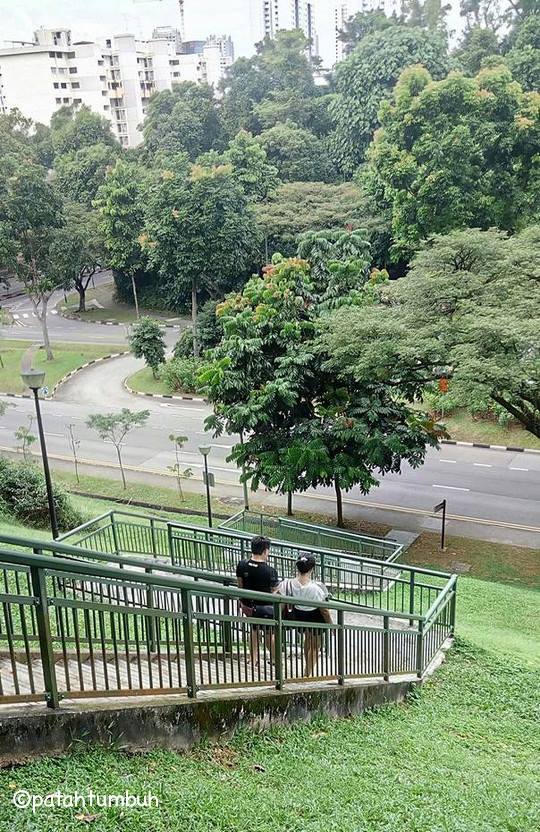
(455, 153)
(469, 310)
(367, 77)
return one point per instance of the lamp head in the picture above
(205, 449)
(33, 378)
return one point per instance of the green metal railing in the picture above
(84, 623)
(311, 534)
(373, 583)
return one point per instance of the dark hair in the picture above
(259, 545)
(305, 563)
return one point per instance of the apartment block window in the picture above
(56, 85)
(53, 70)
(77, 100)
(104, 92)
(66, 100)
(51, 54)
(58, 100)
(63, 86)
(75, 85)
(73, 70)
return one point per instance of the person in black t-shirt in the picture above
(257, 575)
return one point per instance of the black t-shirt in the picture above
(257, 576)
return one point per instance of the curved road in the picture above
(486, 485)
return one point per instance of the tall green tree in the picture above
(298, 154)
(78, 127)
(367, 77)
(77, 250)
(120, 201)
(249, 166)
(185, 119)
(456, 153)
(304, 426)
(79, 174)
(200, 233)
(30, 216)
(268, 87)
(524, 56)
(468, 310)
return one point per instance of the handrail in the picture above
(247, 535)
(87, 524)
(378, 541)
(55, 565)
(445, 590)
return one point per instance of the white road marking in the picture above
(482, 465)
(215, 445)
(518, 469)
(452, 461)
(53, 434)
(16, 317)
(25, 315)
(452, 487)
(54, 312)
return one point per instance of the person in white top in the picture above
(305, 589)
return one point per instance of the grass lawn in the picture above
(489, 561)
(67, 357)
(460, 425)
(460, 756)
(143, 381)
(109, 309)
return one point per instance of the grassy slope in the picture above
(461, 756)
(144, 382)
(111, 309)
(462, 426)
(67, 357)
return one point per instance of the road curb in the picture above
(512, 448)
(111, 323)
(163, 397)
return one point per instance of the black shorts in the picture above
(309, 616)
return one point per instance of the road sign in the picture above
(209, 478)
(439, 506)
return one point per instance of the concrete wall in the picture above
(178, 723)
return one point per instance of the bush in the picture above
(180, 374)
(184, 346)
(23, 494)
(210, 328)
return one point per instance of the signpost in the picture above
(441, 507)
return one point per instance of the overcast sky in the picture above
(100, 18)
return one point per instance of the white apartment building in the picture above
(346, 9)
(114, 79)
(266, 17)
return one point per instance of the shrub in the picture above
(184, 346)
(180, 374)
(23, 493)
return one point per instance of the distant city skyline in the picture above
(103, 18)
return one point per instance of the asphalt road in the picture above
(27, 327)
(480, 485)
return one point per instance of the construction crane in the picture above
(181, 5)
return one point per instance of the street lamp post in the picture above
(205, 450)
(34, 380)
